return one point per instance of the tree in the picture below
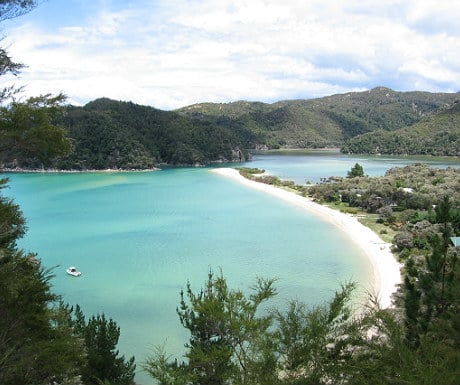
(12, 222)
(227, 336)
(430, 287)
(8, 66)
(100, 336)
(315, 345)
(9, 9)
(36, 344)
(27, 131)
(386, 214)
(385, 358)
(356, 171)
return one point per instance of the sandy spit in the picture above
(386, 269)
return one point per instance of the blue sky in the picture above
(173, 53)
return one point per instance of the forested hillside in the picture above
(122, 135)
(323, 122)
(113, 134)
(437, 135)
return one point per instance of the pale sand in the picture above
(386, 269)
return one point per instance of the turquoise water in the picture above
(304, 166)
(138, 238)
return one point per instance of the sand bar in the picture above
(386, 269)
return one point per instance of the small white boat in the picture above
(73, 271)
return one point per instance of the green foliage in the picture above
(227, 334)
(27, 132)
(249, 172)
(36, 343)
(165, 371)
(371, 194)
(430, 288)
(100, 336)
(386, 357)
(313, 344)
(10, 9)
(437, 135)
(110, 134)
(7, 65)
(356, 171)
(257, 175)
(323, 122)
(40, 342)
(12, 223)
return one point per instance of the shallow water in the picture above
(138, 238)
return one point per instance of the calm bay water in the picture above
(304, 166)
(138, 238)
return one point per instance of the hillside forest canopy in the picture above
(109, 134)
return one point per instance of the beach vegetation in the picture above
(259, 175)
(356, 171)
(246, 171)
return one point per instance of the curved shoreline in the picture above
(386, 269)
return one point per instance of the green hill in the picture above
(437, 135)
(112, 134)
(323, 122)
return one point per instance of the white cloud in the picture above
(184, 52)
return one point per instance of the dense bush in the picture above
(437, 135)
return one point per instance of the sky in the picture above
(173, 53)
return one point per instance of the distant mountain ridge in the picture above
(123, 135)
(112, 134)
(327, 121)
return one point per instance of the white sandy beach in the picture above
(386, 269)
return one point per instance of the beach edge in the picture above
(386, 268)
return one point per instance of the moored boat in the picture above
(73, 271)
